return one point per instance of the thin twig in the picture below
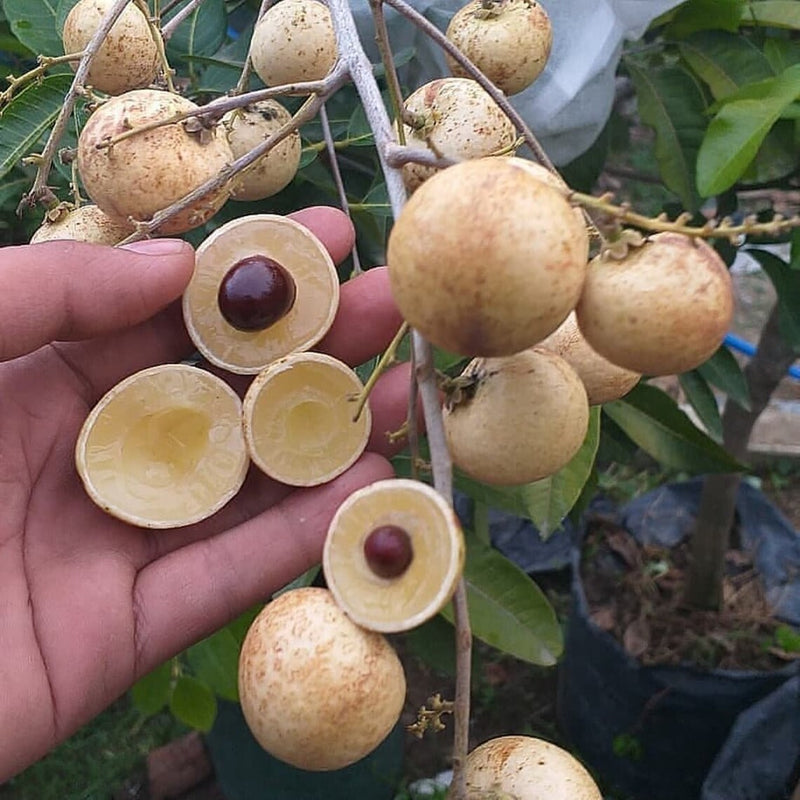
(333, 160)
(392, 81)
(168, 29)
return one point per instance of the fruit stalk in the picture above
(353, 56)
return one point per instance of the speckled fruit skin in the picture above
(84, 224)
(294, 41)
(525, 768)
(248, 128)
(662, 310)
(603, 380)
(127, 59)
(317, 691)
(509, 42)
(524, 419)
(485, 259)
(461, 121)
(148, 172)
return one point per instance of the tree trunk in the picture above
(711, 536)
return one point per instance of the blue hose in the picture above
(742, 346)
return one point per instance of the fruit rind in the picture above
(390, 605)
(193, 395)
(317, 690)
(294, 247)
(86, 223)
(273, 437)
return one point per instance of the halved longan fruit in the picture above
(663, 309)
(317, 690)
(393, 554)
(145, 173)
(520, 418)
(83, 224)
(217, 323)
(249, 127)
(486, 259)
(163, 448)
(293, 42)
(527, 768)
(509, 41)
(456, 119)
(127, 58)
(603, 380)
(299, 419)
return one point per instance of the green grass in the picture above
(95, 762)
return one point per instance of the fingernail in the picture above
(156, 247)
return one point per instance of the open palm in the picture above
(89, 604)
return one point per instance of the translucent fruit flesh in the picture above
(392, 604)
(164, 447)
(298, 419)
(300, 253)
(255, 293)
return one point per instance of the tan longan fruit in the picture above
(486, 259)
(83, 224)
(140, 175)
(508, 40)
(526, 768)
(127, 59)
(317, 691)
(457, 119)
(518, 419)
(663, 309)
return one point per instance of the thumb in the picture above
(68, 290)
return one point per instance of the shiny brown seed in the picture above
(388, 551)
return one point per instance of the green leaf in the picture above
(672, 103)
(225, 66)
(193, 703)
(652, 419)
(201, 33)
(28, 116)
(723, 371)
(151, 693)
(301, 581)
(434, 643)
(215, 662)
(507, 610)
(781, 53)
(772, 13)
(702, 14)
(242, 623)
(724, 61)
(34, 24)
(788, 289)
(703, 401)
(551, 499)
(787, 639)
(739, 128)
(778, 155)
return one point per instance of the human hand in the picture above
(88, 603)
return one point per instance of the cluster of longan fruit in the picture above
(488, 260)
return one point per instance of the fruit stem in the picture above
(713, 229)
(39, 187)
(44, 63)
(333, 160)
(387, 358)
(162, 35)
(392, 81)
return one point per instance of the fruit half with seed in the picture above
(164, 448)
(603, 380)
(83, 224)
(517, 419)
(299, 419)
(317, 690)
(526, 768)
(508, 40)
(454, 118)
(486, 259)
(294, 41)
(127, 58)
(663, 309)
(249, 127)
(144, 173)
(393, 554)
(282, 247)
